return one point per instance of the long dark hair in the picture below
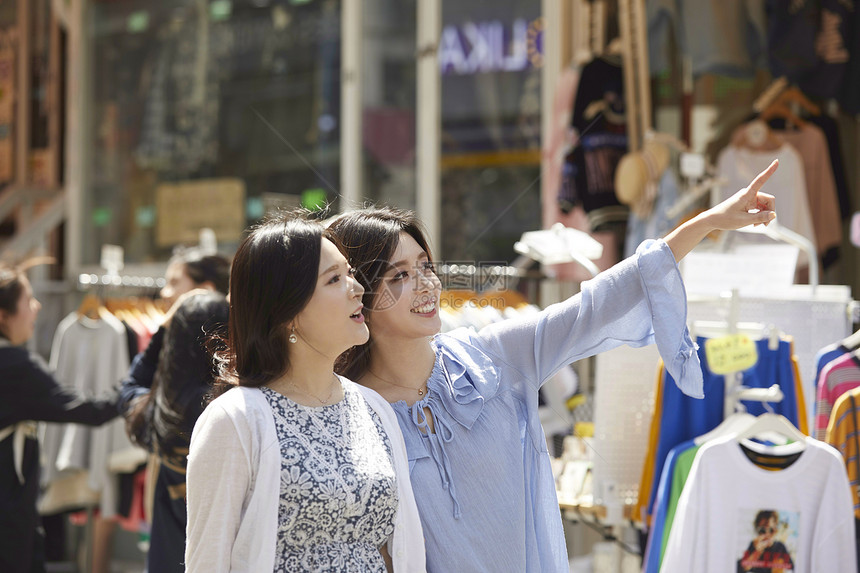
(273, 277)
(368, 239)
(185, 371)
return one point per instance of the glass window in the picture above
(489, 57)
(389, 87)
(208, 113)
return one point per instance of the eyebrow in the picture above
(334, 267)
(404, 262)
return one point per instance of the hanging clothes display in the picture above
(679, 462)
(838, 377)
(830, 129)
(809, 141)
(830, 353)
(599, 118)
(678, 418)
(842, 434)
(720, 37)
(90, 355)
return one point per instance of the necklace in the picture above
(323, 402)
(420, 391)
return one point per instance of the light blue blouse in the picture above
(483, 481)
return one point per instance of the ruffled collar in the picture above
(463, 378)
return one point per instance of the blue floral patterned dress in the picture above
(338, 488)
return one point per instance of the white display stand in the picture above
(813, 320)
(624, 389)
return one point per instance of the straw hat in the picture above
(637, 175)
(638, 168)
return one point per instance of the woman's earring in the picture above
(293, 338)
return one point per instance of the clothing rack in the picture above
(87, 281)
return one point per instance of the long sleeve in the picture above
(141, 373)
(219, 479)
(33, 394)
(639, 301)
(835, 546)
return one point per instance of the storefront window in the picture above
(489, 57)
(388, 118)
(208, 113)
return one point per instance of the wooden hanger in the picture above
(781, 110)
(92, 307)
(793, 95)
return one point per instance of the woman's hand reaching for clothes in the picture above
(748, 206)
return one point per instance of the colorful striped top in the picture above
(838, 377)
(842, 435)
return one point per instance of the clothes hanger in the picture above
(92, 307)
(771, 423)
(780, 110)
(793, 95)
(776, 87)
(757, 136)
(777, 232)
(852, 341)
(737, 422)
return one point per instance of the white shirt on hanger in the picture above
(734, 515)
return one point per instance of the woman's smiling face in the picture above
(406, 303)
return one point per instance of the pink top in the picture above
(838, 377)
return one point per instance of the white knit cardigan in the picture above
(233, 487)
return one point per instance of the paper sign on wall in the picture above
(184, 208)
(727, 354)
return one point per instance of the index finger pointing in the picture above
(762, 177)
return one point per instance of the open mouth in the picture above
(426, 308)
(357, 316)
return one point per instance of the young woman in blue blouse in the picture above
(467, 401)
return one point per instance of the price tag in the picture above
(729, 354)
(692, 165)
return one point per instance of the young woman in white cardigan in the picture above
(293, 468)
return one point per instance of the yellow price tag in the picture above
(728, 354)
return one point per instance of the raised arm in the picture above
(639, 301)
(746, 207)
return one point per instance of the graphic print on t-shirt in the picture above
(767, 540)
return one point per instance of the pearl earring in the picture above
(293, 338)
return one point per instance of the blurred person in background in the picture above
(163, 393)
(30, 394)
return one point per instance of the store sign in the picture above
(183, 208)
(481, 47)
